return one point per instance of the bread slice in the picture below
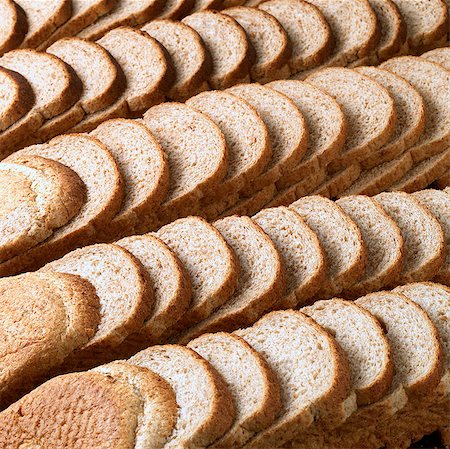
(123, 14)
(438, 203)
(39, 196)
(84, 13)
(54, 314)
(159, 412)
(260, 281)
(43, 19)
(340, 239)
(326, 124)
(368, 108)
(247, 139)
(214, 277)
(294, 347)
(309, 32)
(191, 61)
(252, 384)
(201, 5)
(144, 169)
(339, 182)
(104, 193)
(419, 71)
(14, 26)
(184, 133)
(206, 408)
(269, 40)
(424, 242)
(427, 23)
(300, 251)
(439, 56)
(383, 242)
(227, 44)
(176, 9)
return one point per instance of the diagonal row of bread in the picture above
(333, 374)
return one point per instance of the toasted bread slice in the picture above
(253, 387)
(300, 251)
(340, 239)
(439, 56)
(227, 44)
(206, 408)
(308, 31)
(123, 14)
(176, 9)
(383, 241)
(269, 41)
(335, 184)
(424, 250)
(291, 343)
(436, 96)
(191, 60)
(14, 25)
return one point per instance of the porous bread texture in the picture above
(311, 369)
(206, 409)
(54, 314)
(309, 33)
(383, 242)
(431, 81)
(300, 251)
(39, 195)
(368, 108)
(209, 262)
(423, 237)
(269, 40)
(14, 26)
(188, 55)
(176, 9)
(326, 125)
(439, 56)
(227, 44)
(340, 239)
(252, 384)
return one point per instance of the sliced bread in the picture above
(216, 4)
(444, 180)
(252, 384)
(439, 56)
(300, 251)
(436, 96)
(14, 25)
(269, 41)
(260, 281)
(191, 60)
(176, 9)
(206, 408)
(383, 242)
(424, 242)
(340, 239)
(308, 31)
(336, 183)
(227, 44)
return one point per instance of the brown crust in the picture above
(19, 29)
(444, 181)
(337, 183)
(177, 11)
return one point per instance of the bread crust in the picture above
(18, 27)
(338, 182)
(176, 9)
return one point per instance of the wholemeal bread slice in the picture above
(269, 41)
(311, 368)
(383, 242)
(336, 183)
(158, 414)
(424, 242)
(368, 108)
(184, 133)
(340, 239)
(209, 261)
(326, 124)
(439, 56)
(14, 25)
(438, 203)
(191, 61)
(176, 9)
(300, 251)
(39, 196)
(227, 44)
(123, 14)
(260, 281)
(144, 169)
(308, 31)
(43, 19)
(427, 23)
(170, 282)
(252, 384)
(104, 193)
(419, 72)
(54, 314)
(206, 408)
(216, 4)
